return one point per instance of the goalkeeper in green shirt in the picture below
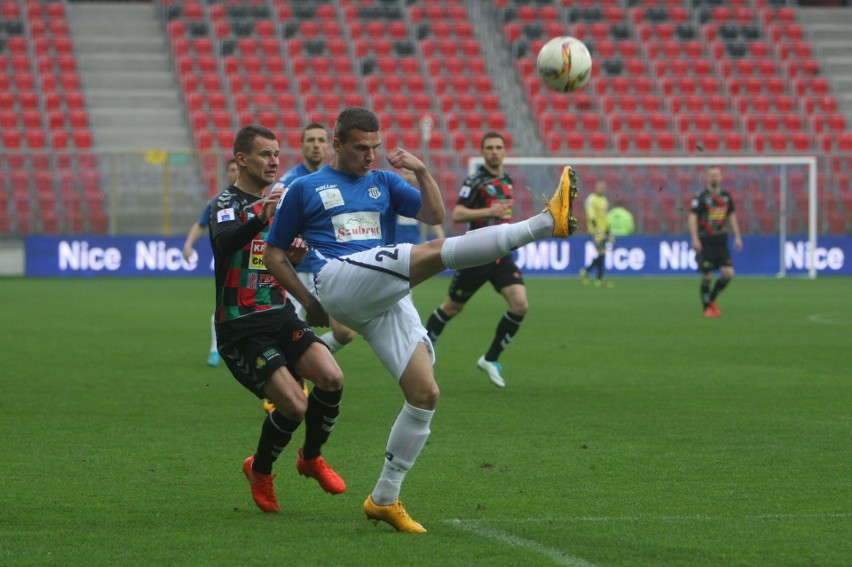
(597, 207)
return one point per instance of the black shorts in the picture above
(714, 254)
(501, 273)
(253, 358)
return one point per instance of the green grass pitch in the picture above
(632, 432)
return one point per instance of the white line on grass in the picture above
(691, 518)
(826, 320)
(554, 554)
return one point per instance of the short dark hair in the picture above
(355, 118)
(229, 162)
(245, 137)
(489, 135)
(312, 126)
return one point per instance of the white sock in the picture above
(333, 345)
(484, 245)
(213, 333)
(407, 438)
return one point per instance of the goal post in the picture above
(773, 195)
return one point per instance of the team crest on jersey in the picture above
(226, 215)
(374, 192)
(331, 197)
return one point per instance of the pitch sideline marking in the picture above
(557, 556)
(674, 518)
(825, 320)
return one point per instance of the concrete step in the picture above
(825, 15)
(120, 63)
(127, 98)
(837, 66)
(833, 49)
(163, 117)
(124, 139)
(147, 81)
(87, 45)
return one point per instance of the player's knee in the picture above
(452, 308)
(519, 309)
(426, 397)
(330, 380)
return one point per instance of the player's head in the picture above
(256, 151)
(231, 171)
(714, 178)
(600, 186)
(314, 145)
(493, 148)
(356, 139)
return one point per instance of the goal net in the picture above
(775, 200)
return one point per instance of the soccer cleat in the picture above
(261, 487)
(584, 276)
(213, 359)
(561, 204)
(304, 387)
(268, 406)
(494, 371)
(394, 514)
(710, 312)
(320, 470)
(715, 308)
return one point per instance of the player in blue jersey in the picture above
(347, 212)
(198, 229)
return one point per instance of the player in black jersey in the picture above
(486, 199)
(264, 344)
(711, 213)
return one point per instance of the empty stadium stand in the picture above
(671, 77)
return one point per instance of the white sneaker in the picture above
(493, 369)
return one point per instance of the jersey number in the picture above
(393, 255)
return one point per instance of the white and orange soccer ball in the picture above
(564, 64)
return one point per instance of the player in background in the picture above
(620, 220)
(265, 346)
(486, 199)
(346, 211)
(195, 232)
(711, 213)
(597, 221)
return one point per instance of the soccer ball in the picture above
(564, 64)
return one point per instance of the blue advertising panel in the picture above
(89, 256)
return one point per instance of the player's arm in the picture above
(431, 201)
(693, 231)
(277, 262)
(227, 233)
(735, 229)
(194, 234)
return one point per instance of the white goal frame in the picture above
(809, 161)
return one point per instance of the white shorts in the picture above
(306, 278)
(368, 291)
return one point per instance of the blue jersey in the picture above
(407, 230)
(338, 214)
(309, 264)
(204, 219)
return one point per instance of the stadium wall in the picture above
(94, 256)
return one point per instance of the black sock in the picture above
(705, 293)
(435, 326)
(507, 328)
(600, 262)
(721, 283)
(320, 417)
(274, 436)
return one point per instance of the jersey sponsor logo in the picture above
(357, 226)
(256, 255)
(331, 197)
(226, 215)
(374, 192)
(464, 192)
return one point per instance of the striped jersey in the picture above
(712, 211)
(480, 190)
(243, 285)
